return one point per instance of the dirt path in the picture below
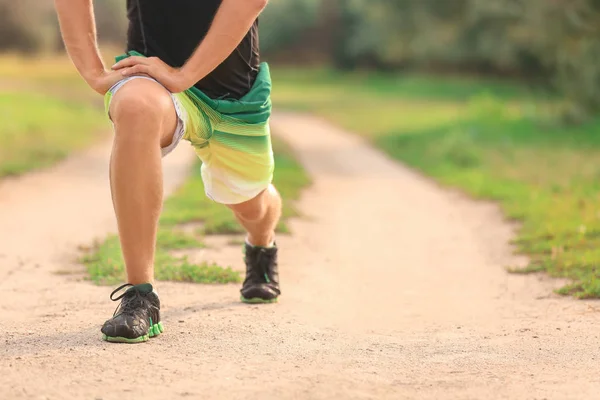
(393, 289)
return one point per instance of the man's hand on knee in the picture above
(104, 81)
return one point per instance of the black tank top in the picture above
(172, 29)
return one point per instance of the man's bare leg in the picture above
(260, 216)
(145, 120)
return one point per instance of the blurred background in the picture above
(499, 98)
(550, 43)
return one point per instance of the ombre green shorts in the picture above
(231, 138)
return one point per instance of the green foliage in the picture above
(284, 22)
(400, 32)
(559, 39)
(494, 144)
(553, 42)
(549, 42)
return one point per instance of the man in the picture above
(191, 72)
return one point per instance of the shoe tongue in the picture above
(142, 288)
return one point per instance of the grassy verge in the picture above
(43, 117)
(50, 72)
(190, 205)
(39, 130)
(489, 139)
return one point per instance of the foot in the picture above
(137, 318)
(262, 277)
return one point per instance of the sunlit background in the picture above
(499, 98)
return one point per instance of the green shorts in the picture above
(231, 138)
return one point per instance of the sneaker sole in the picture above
(257, 300)
(154, 331)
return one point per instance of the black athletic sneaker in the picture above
(137, 318)
(262, 278)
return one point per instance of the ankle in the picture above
(260, 243)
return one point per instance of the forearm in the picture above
(78, 28)
(231, 23)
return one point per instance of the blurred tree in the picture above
(285, 22)
(555, 40)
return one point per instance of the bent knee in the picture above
(141, 99)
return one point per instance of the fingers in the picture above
(136, 69)
(131, 61)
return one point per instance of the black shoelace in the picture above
(132, 299)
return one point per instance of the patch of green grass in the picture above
(389, 85)
(171, 239)
(489, 139)
(189, 205)
(203, 273)
(39, 130)
(106, 267)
